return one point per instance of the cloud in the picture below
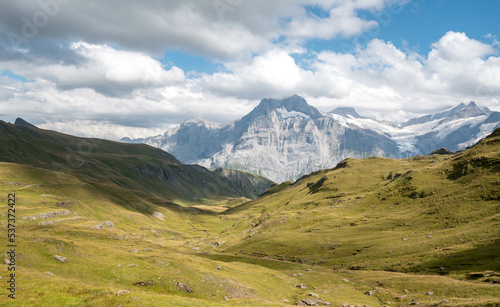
(454, 46)
(197, 26)
(102, 68)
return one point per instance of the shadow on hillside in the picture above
(481, 258)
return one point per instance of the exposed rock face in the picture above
(285, 139)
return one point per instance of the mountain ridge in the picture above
(138, 167)
(285, 139)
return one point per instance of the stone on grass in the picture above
(301, 286)
(109, 224)
(313, 302)
(314, 294)
(135, 250)
(61, 258)
(122, 292)
(184, 287)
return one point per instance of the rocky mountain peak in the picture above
(294, 105)
(22, 122)
(346, 112)
(466, 111)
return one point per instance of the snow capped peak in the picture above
(346, 112)
(461, 111)
(201, 122)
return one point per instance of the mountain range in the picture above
(286, 139)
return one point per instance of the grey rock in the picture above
(313, 294)
(61, 258)
(301, 286)
(184, 287)
(313, 302)
(135, 250)
(122, 292)
(109, 224)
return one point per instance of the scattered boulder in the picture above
(146, 249)
(109, 224)
(50, 273)
(286, 301)
(159, 216)
(7, 261)
(144, 284)
(122, 292)
(308, 270)
(369, 293)
(184, 287)
(61, 258)
(313, 302)
(301, 286)
(313, 294)
(135, 250)
(429, 293)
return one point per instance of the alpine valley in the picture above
(101, 223)
(286, 139)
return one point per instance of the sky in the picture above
(118, 68)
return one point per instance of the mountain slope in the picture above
(439, 214)
(279, 139)
(134, 166)
(285, 139)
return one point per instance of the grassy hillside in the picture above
(435, 214)
(133, 166)
(374, 232)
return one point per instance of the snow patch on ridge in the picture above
(288, 114)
